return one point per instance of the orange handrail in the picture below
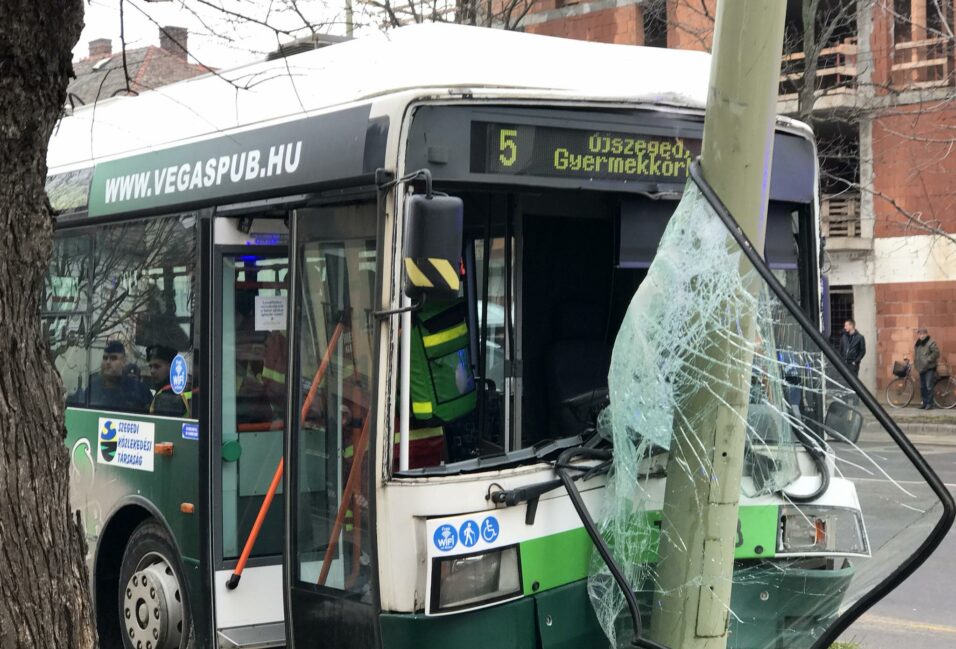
(277, 477)
(320, 373)
(347, 495)
(254, 533)
(256, 427)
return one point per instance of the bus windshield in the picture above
(516, 366)
(563, 212)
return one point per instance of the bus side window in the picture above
(65, 312)
(109, 297)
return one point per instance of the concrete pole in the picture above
(702, 495)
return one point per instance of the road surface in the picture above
(921, 613)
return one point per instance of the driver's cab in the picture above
(545, 282)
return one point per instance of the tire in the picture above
(900, 392)
(944, 393)
(153, 602)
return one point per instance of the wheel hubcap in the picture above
(152, 606)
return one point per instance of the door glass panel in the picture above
(336, 279)
(254, 358)
(495, 348)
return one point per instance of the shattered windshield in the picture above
(783, 501)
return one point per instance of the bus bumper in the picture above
(772, 608)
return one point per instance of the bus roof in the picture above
(414, 57)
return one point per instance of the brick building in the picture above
(101, 75)
(881, 103)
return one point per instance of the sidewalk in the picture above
(921, 426)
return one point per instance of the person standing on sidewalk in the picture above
(852, 346)
(926, 358)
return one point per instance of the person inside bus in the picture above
(252, 400)
(444, 397)
(165, 401)
(113, 388)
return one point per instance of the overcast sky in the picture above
(216, 38)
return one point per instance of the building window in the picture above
(655, 23)
(922, 45)
(841, 309)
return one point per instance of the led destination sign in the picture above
(523, 150)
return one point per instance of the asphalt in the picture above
(919, 614)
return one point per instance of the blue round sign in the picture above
(468, 533)
(178, 372)
(445, 538)
(490, 529)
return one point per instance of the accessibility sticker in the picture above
(445, 538)
(490, 529)
(190, 431)
(468, 533)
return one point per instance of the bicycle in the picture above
(902, 389)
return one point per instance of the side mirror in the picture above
(432, 245)
(843, 423)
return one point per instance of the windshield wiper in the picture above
(564, 467)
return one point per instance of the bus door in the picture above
(249, 421)
(330, 559)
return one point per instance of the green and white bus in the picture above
(227, 307)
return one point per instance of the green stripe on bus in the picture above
(559, 559)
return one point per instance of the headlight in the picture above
(821, 530)
(469, 581)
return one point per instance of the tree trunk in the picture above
(44, 588)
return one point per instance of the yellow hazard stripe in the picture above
(446, 270)
(445, 336)
(422, 407)
(415, 275)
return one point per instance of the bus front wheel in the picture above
(153, 604)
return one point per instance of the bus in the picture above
(347, 341)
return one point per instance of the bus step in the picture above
(256, 636)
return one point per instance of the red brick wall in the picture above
(690, 24)
(914, 163)
(622, 25)
(900, 308)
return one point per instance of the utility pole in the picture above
(699, 527)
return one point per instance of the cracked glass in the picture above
(718, 396)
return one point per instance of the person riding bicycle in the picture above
(926, 359)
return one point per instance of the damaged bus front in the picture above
(537, 334)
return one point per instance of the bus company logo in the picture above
(445, 537)
(108, 435)
(126, 444)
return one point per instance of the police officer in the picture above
(113, 388)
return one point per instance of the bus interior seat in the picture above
(576, 368)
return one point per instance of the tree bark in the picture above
(44, 586)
